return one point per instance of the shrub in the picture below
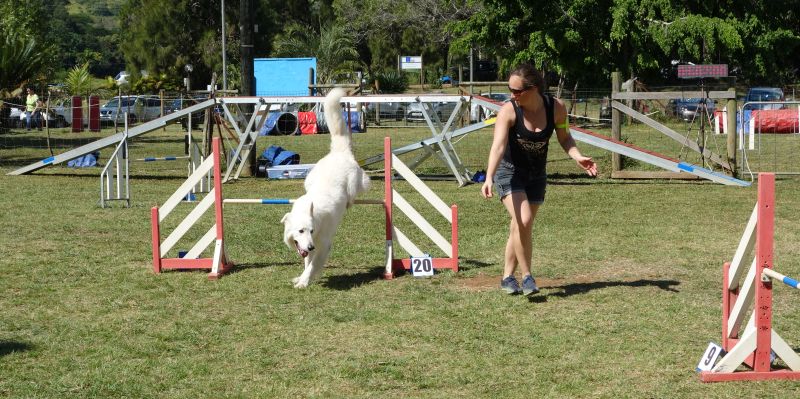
(391, 82)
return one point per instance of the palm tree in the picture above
(79, 80)
(333, 47)
(20, 60)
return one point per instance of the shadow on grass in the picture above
(9, 347)
(246, 266)
(469, 264)
(345, 282)
(582, 288)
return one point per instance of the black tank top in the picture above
(526, 151)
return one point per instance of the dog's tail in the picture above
(340, 135)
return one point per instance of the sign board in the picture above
(421, 266)
(410, 62)
(703, 71)
(710, 356)
(283, 76)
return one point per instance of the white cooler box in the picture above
(298, 171)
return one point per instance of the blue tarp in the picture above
(269, 125)
(276, 155)
(85, 161)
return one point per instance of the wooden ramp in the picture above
(631, 151)
(653, 158)
(114, 139)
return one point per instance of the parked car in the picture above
(394, 111)
(184, 102)
(759, 94)
(485, 71)
(414, 111)
(478, 113)
(17, 119)
(122, 78)
(139, 109)
(63, 108)
(447, 80)
(687, 108)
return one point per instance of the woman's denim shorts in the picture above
(534, 187)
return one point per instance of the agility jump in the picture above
(115, 176)
(220, 262)
(758, 341)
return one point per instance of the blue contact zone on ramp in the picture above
(685, 166)
(48, 161)
(707, 173)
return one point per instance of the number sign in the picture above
(422, 266)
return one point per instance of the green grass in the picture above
(630, 275)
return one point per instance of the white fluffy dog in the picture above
(331, 187)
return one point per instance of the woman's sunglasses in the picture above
(519, 91)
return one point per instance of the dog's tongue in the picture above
(302, 253)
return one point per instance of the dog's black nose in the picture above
(311, 247)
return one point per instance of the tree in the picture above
(79, 80)
(386, 29)
(161, 37)
(333, 47)
(20, 61)
(587, 39)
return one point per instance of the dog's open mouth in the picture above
(302, 252)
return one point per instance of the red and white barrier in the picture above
(392, 198)
(758, 341)
(220, 263)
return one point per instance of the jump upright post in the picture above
(450, 261)
(220, 262)
(758, 341)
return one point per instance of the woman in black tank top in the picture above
(517, 165)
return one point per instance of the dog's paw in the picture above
(295, 280)
(300, 283)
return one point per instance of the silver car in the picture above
(138, 108)
(414, 112)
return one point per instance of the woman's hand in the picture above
(486, 189)
(587, 164)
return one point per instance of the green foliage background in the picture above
(577, 40)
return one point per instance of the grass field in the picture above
(630, 273)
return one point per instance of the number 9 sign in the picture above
(710, 357)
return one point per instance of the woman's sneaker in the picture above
(510, 285)
(529, 286)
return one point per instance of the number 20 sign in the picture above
(421, 266)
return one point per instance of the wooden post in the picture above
(161, 101)
(732, 133)
(616, 128)
(310, 81)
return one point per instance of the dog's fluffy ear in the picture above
(285, 218)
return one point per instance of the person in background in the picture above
(30, 107)
(517, 166)
(39, 114)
